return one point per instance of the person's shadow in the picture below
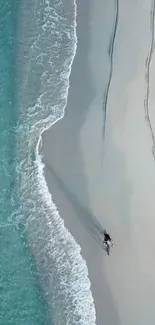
(90, 222)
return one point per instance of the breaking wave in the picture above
(46, 69)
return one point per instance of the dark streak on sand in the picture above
(147, 76)
(110, 52)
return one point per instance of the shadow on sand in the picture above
(89, 221)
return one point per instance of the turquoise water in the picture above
(21, 298)
(43, 278)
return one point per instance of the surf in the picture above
(62, 271)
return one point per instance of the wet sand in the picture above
(109, 182)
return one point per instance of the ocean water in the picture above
(43, 278)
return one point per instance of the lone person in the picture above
(107, 239)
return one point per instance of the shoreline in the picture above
(69, 186)
(118, 195)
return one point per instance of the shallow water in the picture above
(20, 293)
(43, 278)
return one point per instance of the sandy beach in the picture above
(109, 182)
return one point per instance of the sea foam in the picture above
(62, 270)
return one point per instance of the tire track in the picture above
(110, 52)
(147, 76)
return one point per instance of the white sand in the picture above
(121, 192)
